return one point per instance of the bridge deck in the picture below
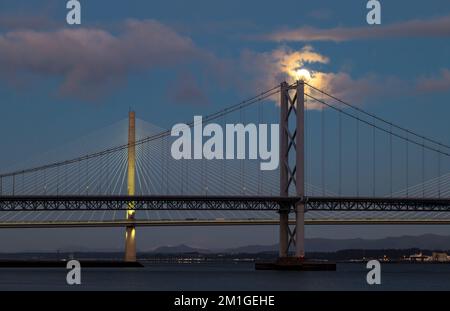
(83, 217)
(177, 202)
(214, 222)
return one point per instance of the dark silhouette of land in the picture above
(339, 250)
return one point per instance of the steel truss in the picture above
(152, 202)
(176, 202)
(376, 204)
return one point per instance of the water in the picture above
(238, 276)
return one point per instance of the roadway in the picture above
(215, 222)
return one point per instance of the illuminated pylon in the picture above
(130, 234)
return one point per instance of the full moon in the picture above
(303, 74)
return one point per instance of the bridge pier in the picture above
(300, 171)
(130, 244)
(292, 166)
(300, 231)
(292, 173)
(284, 234)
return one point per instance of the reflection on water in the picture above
(220, 276)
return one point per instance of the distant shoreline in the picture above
(342, 256)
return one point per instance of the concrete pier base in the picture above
(297, 264)
(90, 263)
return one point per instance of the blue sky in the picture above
(224, 30)
(54, 90)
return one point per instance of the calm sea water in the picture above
(239, 276)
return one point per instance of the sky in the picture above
(171, 60)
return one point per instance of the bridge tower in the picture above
(130, 234)
(292, 166)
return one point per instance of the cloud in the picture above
(88, 60)
(267, 69)
(435, 84)
(186, 90)
(260, 71)
(290, 61)
(436, 27)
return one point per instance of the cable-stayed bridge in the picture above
(338, 164)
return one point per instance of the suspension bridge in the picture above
(339, 164)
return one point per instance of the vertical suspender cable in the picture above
(373, 162)
(241, 164)
(357, 154)
(390, 161)
(87, 177)
(439, 173)
(340, 153)
(407, 165)
(182, 175)
(162, 166)
(187, 177)
(57, 180)
(108, 168)
(45, 181)
(308, 151)
(203, 186)
(224, 162)
(79, 178)
(99, 180)
(323, 149)
(166, 156)
(423, 168)
(259, 171)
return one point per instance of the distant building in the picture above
(440, 257)
(435, 257)
(419, 257)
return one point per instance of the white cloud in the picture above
(435, 84)
(91, 59)
(435, 27)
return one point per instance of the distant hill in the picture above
(426, 241)
(252, 249)
(179, 249)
